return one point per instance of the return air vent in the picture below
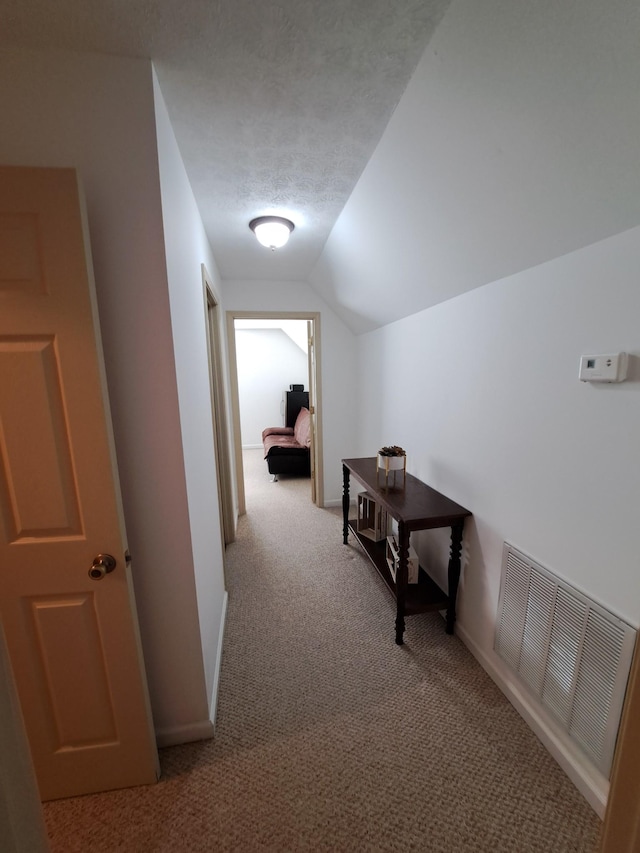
(571, 653)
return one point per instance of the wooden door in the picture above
(73, 640)
(621, 831)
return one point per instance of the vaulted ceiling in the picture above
(277, 105)
(423, 148)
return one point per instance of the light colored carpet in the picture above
(329, 736)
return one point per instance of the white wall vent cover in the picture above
(570, 652)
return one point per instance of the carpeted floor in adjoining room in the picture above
(330, 737)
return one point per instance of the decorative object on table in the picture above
(372, 519)
(393, 560)
(392, 459)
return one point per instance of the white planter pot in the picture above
(391, 463)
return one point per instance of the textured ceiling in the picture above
(277, 105)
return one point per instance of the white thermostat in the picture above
(604, 368)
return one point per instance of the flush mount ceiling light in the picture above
(272, 231)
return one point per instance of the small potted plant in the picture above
(392, 458)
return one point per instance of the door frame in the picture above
(317, 467)
(218, 408)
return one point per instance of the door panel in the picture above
(80, 714)
(73, 641)
(40, 498)
(20, 267)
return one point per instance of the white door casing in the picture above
(73, 641)
(311, 359)
(218, 410)
(314, 362)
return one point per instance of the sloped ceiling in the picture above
(277, 105)
(422, 148)
(516, 141)
(296, 330)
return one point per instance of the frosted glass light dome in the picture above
(271, 231)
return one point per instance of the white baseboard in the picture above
(338, 502)
(174, 735)
(593, 786)
(252, 446)
(213, 707)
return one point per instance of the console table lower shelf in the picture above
(420, 597)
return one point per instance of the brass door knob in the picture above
(101, 566)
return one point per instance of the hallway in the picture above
(329, 737)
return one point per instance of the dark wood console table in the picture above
(415, 506)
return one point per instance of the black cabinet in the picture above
(293, 402)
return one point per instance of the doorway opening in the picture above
(218, 409)
(306, 327)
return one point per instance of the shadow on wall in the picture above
(476, 599)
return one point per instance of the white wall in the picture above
(483, 393)
(187, 248)
(496, 418)
(96, 113)
(268, 362)
(516, 143)
(338, 361)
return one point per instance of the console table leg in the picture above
(401, 579)
(454, 572)
(345, 504)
